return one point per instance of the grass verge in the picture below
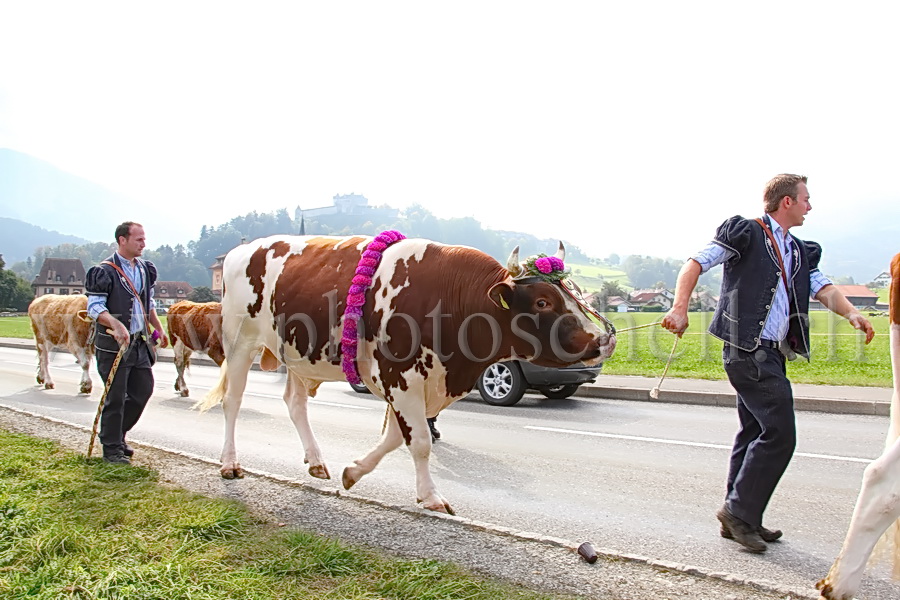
(72, 527)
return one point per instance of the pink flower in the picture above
(544, 265)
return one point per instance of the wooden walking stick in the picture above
(654, 393)
(109, 380)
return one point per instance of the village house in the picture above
(167, 293)
(216, 269)
(883, 280)
(59, 276)
(859, 296)
(660, 299)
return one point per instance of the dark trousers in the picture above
(765, 443)
(128, 395)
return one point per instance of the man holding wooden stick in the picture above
(120, 300)
(762, 316)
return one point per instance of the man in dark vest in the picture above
(120, 300)
(762, 316)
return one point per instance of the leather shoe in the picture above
(127, 450)
(742, 532)
(117, 458)
(768, 535)
(435, 434)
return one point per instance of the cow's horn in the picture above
(512, 264)
(561, 253)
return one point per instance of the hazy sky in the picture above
(627, 127)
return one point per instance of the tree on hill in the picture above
(15, 292)
(202, 294)
(175, 264)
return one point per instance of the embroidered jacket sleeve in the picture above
(151, 282)
(816, 279)
(98, 285)
(730, 241)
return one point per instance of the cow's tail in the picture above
(216, 394)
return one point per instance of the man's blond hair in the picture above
(779, 187)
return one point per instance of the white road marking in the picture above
(636, 438)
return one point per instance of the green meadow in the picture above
(73, 527)
(839, 354)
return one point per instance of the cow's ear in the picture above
(501, 294)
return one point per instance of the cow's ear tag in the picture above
(497, 293)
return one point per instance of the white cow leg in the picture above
(43, 376)
(297, 400)
(238, 368)
(391, 438)
(181, 356)
(877, 507)
(420, 448)
(84, 361)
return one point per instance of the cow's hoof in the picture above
(349, 477)
(234, 472)
(437, 504)
(319, 471)
(49, 386)
(40, 380)
(184, 393)
(86, 389)
(825, 588)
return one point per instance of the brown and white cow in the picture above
(194, 327)
(433, 319)
(878, 507)
(56, 323)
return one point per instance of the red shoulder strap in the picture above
(777, 253)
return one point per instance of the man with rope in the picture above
(762, 316)
(120, 300)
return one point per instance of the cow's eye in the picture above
(541, 303)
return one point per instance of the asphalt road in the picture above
(635, 478)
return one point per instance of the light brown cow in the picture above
(878, 507)
(194, 327)
(56, 323)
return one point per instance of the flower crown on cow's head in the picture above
(551, 269)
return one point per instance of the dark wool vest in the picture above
(749, 282)
(104, 280)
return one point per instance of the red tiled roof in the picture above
(856, 291)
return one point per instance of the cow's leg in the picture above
(877, 507)
(182, 355)
(84, 361)
(410, 426)
(238, 368)
(296, 398)
(391, 438)
(420, 447)
(43, 375)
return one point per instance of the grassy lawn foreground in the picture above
(839, 355)
(72, 527)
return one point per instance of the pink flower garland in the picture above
(356, 298)
(548, 264)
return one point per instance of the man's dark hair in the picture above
(779, 187)
(124, 230)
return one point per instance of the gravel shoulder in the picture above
(528, 559)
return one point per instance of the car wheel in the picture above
(558, 392)
(360, 388)
(502, 384)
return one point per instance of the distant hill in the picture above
(37, 192)
(19, 239)
(856, 243)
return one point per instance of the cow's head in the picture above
(548, 316)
